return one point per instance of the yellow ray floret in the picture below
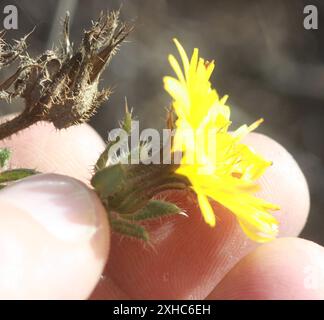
(216, 163)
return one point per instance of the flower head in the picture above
(217, 164)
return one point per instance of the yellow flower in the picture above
(216, 163)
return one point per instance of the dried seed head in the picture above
(9, 53)
(61, 85)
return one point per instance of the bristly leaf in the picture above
(15, 174)
(126, 124)
(154, 209)
(103, 158)
(107, 180)
(129, 229)
(4, 157)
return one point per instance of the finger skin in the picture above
(188, 258)
(54, 239)
(72, 151)
(108, 290)
(283, 184)
(287, 268)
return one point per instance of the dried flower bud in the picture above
(61, 85)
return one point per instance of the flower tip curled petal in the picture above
(268, 233)
(210, 66)
(224, 99)
(183, 56)
(255, 124)
(182, 213)
(206, 209)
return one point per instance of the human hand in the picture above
(55, 237)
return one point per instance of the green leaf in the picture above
(126, 124)
(103, 158)
(16, 174)
(4, 156)
(154, 209)
(129, 229)
(107, 180)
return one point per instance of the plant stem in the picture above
(16, 124)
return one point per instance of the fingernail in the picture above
(62, 205)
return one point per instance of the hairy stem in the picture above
(16, 124)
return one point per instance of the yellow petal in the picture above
(177, 90)
(206, 210)
(223, 169)
(175, 66)
(256, 235)
(193, 65)
(183, 56)
(210, 68)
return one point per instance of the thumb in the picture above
(54, 239)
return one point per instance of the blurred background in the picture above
(265, 60)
